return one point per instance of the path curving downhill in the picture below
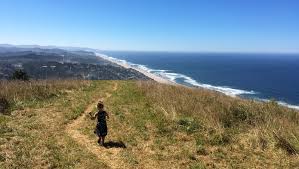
(110, 157)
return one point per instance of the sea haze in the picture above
(259, 76)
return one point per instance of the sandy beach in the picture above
(146, 73)
(159, 79)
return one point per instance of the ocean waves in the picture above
(176, 77)
(189, 81)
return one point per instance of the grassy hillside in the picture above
(151, 126)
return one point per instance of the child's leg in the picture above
(99, 141)
(103, 140)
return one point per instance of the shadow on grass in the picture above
(115, 144)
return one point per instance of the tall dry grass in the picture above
(225, 119)
(20, 90)
(24, 91)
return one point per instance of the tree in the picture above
(20, 75)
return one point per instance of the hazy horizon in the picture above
(154, 51)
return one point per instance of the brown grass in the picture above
(33, 136)
(235, 126)
(161, 126)
(23, 91)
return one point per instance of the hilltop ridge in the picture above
(152, 125)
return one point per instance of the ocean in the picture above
(254, 76)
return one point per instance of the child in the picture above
(101, 128)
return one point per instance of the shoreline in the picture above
(148, 74)
(162, 80)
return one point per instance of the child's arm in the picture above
(95, 115)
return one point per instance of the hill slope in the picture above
(151, 126)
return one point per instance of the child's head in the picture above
(100, 105)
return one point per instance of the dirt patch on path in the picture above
(111, 157)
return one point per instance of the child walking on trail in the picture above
(101, 128)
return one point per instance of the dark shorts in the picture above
(101, 129)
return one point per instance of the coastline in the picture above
(146, 73)
(169, 82)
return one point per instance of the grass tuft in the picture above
(4, 106)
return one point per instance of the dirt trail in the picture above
(111, 157)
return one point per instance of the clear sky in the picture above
(159, 25)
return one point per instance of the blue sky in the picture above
(158, 25)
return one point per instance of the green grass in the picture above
(33, 135)
(225, 128)
(162, 126)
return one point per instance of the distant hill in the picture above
(58, 63)
(48, 53)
